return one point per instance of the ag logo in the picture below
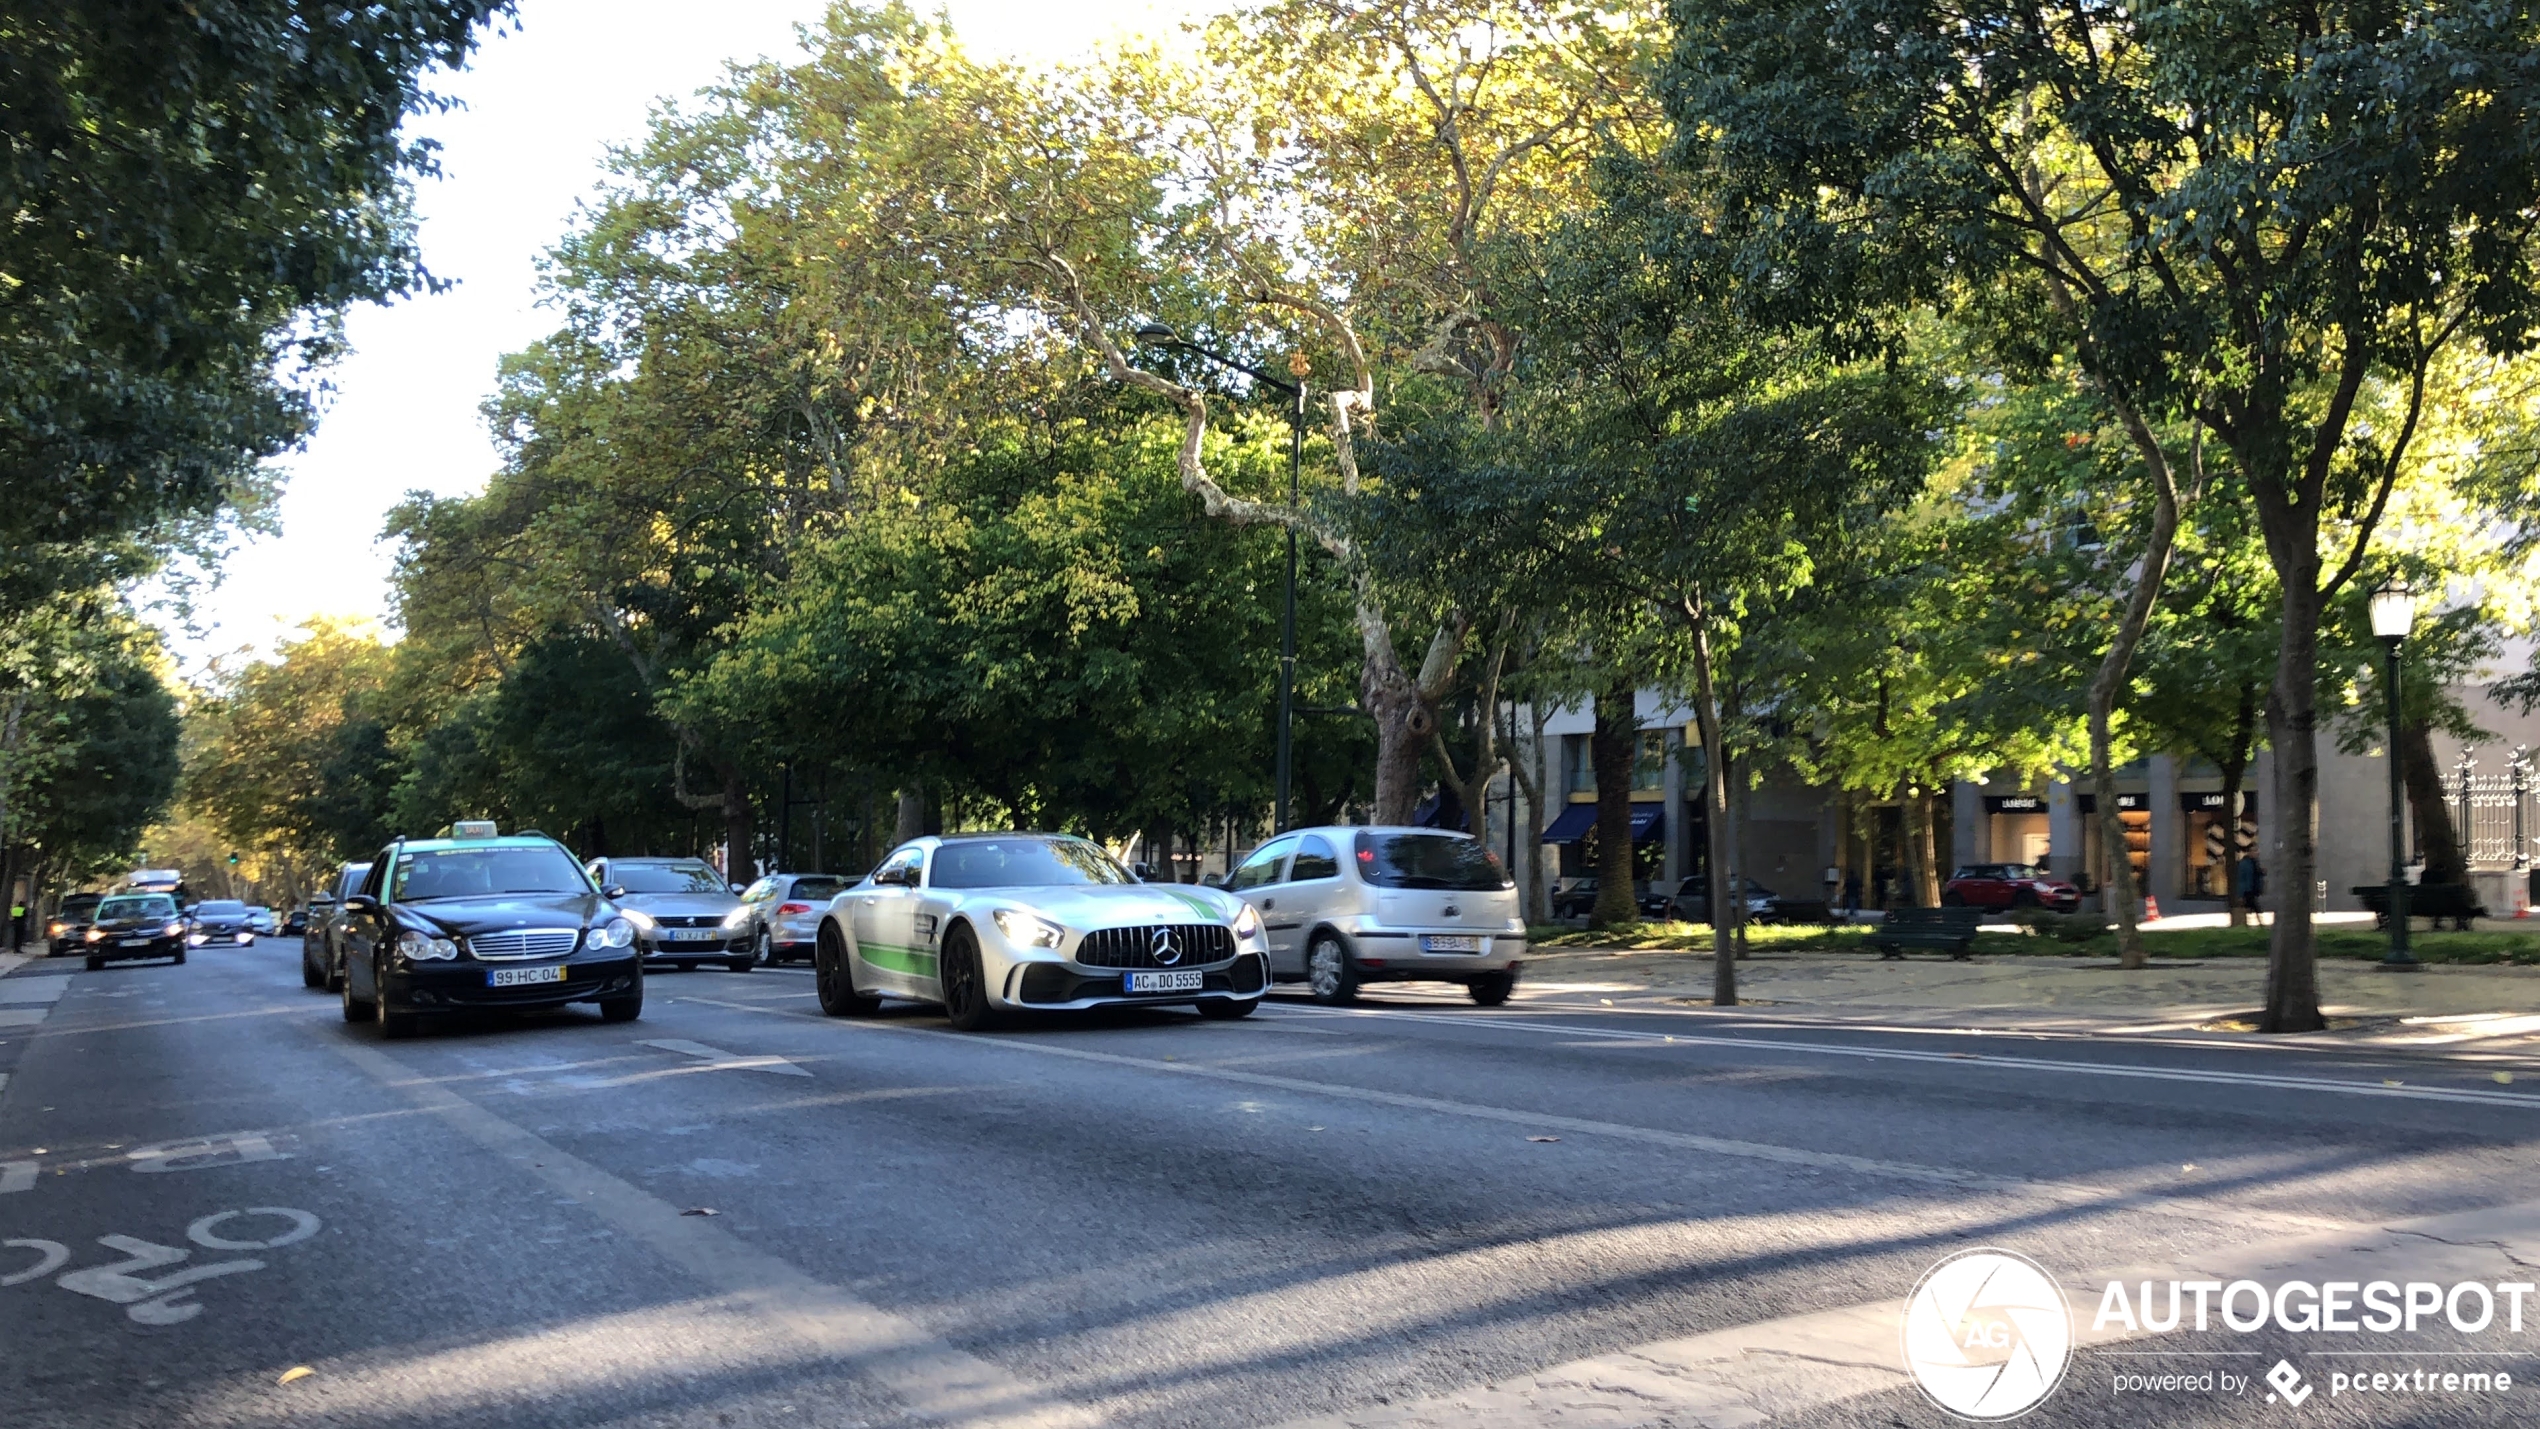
(1987, 1334)
(1166, 949)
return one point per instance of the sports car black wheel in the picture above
(835, 983)
(1226, 1009)
(1329, 970)
(965, 982)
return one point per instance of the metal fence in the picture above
(2492, 810)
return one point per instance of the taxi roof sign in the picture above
(473, 829)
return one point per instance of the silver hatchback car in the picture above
(1348, 906)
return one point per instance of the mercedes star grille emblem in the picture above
(1166, 948)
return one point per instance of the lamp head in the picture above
(2394, 609)
(1155, 334)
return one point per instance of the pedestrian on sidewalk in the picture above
(2249, 880)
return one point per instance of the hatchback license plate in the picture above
(1449, 943)
(690, 935)
(522, 977)
(1186, 980)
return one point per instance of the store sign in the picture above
(2126, 803)
(2014, 804)
(2210, 801)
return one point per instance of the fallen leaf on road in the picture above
(1605, 1002)
(2190, 1166)
(1964, 1056)
(2504, 1079)
(2388, 1082)
(297, 1371)
(1543, 1138)
(701, 1211)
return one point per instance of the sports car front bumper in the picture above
(1059, 985)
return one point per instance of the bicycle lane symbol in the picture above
(162, 1299)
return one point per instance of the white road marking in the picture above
(34, 989)
(933, 1378)
(720, 1058)
(1519, 1022)
(2059, 1192)
(24, 1016)
(17, 1176)
(200, 1153)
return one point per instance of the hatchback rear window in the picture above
(1449, 861)
(808, 888)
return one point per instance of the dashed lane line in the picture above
(2274, 1223)
(716, 1057)
(937, 1381)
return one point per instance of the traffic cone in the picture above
(2151, 909)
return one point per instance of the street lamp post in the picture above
(2394, 610)
(1158, 335)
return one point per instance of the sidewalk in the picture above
(2497, 1007)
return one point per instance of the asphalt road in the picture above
(1412, 1213)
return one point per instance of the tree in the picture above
(196, 193)
(2298, 208)
(288, 757)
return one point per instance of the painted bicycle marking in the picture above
(165, 1298)
(201, 1153)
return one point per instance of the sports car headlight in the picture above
(616, 933)
(1025, 930)
(1248, 923)
(417, 947)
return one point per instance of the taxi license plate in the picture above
(133, 943)
(522, 977)
(1449, 943)
(1187, 980)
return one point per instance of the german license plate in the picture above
(1184, 980)
(1449, 943)
(522, 977)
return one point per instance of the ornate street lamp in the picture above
(2394, 611)
(1156, 334)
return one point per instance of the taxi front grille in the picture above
(1187, 945)
(523, 943)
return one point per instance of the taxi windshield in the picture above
(484, 873)
(1023, 863)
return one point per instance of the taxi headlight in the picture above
(615, 933)
(173, 930)
(59, 928)
(96, 935)
(636, 918)
(1028, 931)
(1248, 923)
(417, 947)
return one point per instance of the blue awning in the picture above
(1649, 821)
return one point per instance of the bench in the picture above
(1953, 929)
(2431, 901)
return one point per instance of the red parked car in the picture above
(2008, 885)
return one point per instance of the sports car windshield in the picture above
(667, 877)
(483, 873)
(1024, 863)
(1428, 861)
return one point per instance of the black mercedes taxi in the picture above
(477, 922)
(134, 925)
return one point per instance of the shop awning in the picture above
(1649, 821)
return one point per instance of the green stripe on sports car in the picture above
(916, 961)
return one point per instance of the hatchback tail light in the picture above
(793, 908)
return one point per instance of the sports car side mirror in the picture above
(613, 891)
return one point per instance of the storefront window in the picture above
(2211, 851)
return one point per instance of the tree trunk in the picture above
(740, 860)
(2445, 860)
(2235, 771)
(1529, 797)
(2293, 997)
(1613, 748)
(912, 816)
(1715, 807)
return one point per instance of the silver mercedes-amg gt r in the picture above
(988, 923)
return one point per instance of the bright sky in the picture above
(541, 103)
